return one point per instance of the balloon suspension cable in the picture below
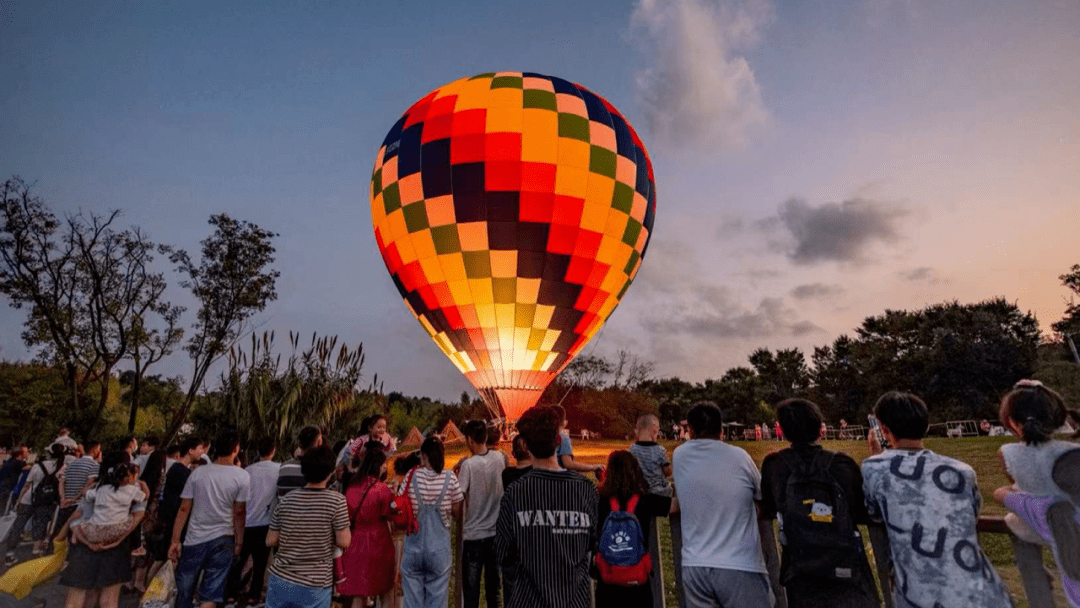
(595, 342)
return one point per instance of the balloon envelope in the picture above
(513, 211)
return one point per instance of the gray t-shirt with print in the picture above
(930, 504)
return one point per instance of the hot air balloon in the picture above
(513, 211)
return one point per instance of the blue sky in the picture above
(815, 162)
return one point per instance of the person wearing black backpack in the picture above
(817, 495)
(38, 501)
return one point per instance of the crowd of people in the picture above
(362, 524)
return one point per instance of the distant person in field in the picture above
(565, 451)
(717, 485)
(930, 505)
(809, 570)
(546, 527)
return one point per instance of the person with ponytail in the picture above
(368, 563)
(117, 492)
(427, 556)
(1033, 413)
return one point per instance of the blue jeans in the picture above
(723, 588)
(426, 558)
(213, 558)
(281, 593)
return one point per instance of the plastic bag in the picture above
(5, 524)
(161, 590)
(20, 579)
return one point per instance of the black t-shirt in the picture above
(813, 591)
(846, 472)
(175, 479)
(512, 474)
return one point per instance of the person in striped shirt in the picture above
(305, 528)
(546, 529)
(426, 557)
(76, 480)
(289, 475)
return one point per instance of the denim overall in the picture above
(426, 559)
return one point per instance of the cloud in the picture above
(923, 274)
(836, 232)
(812, 291)
(713, 314)
(695, 86)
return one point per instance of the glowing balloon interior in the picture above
(512, 211)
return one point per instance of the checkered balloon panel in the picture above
(513, 211)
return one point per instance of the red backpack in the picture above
(401, 510)
(623, 559)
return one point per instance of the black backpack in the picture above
(47, 491)
(820, 538)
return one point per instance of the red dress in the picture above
(369, 561)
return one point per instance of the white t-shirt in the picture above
(213, 488)
(113, 505)
(480, 478)
(36, 476)
(717, 485)
(263, 487)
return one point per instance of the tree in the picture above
(232, 282)
(783, 375)
(120, 289)
(150, 345)
(1069, 325)
(84, 289)
(35, 273)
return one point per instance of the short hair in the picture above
(540, 427)
(1038, 409)
(645, 421)
(125, 442)
(172, 450)
(800, 420)
(475, 430)
(308, 436)
(317, 464)
(706, 419)
(905, 414)
(433, 449)
(266, 447)
(152, 440)
(494, 435)
(519, 448)
(226, 443)
(90, 444)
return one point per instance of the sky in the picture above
(815, 163)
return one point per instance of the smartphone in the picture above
(875, 428)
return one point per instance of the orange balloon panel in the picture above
(513, 211)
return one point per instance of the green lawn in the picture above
(980, 453)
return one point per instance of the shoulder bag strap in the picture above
(363, 497)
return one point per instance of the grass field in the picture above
(980, 453)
